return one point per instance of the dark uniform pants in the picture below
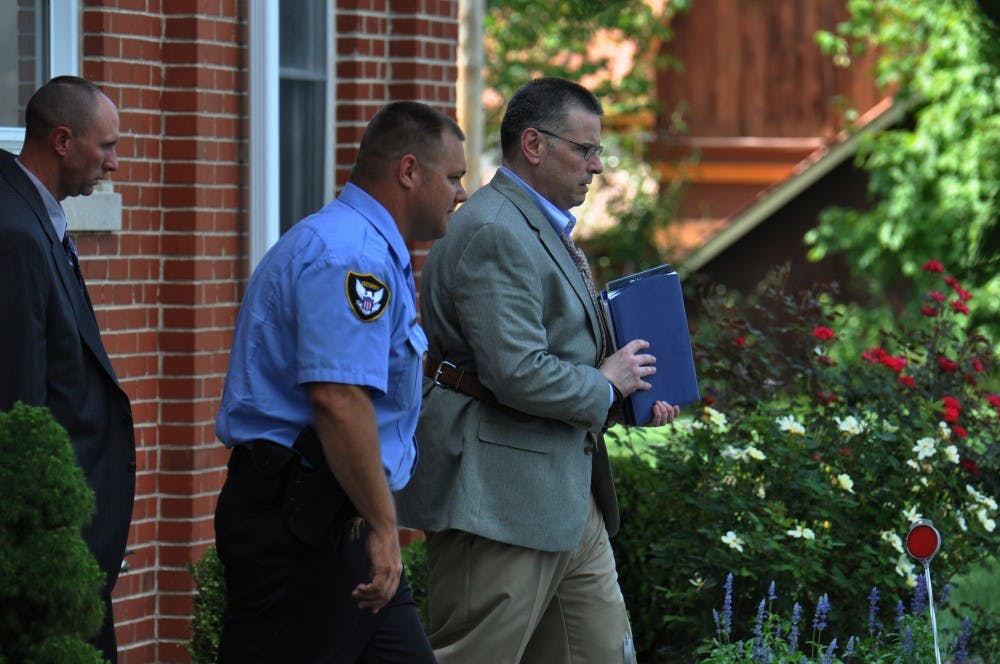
(293, 549)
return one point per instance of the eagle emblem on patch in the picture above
(368, 296)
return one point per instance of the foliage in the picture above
(806, 466)
(415, 565)
(533, 38)
(803, 639)
(49, 581)
(209, 607)
(935, 183)
(633, 241)
(210, 598)
(977, 593)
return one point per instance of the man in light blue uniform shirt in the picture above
(320, 408)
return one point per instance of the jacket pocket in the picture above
(522, 436)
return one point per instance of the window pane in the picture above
(302, 30)
(302, 122)
(303, 73)
(24, 52)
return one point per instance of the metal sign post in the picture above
(922, 543)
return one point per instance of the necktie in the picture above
(581, 263)
(74, 259)
(580, 260)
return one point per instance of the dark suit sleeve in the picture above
(23, 292)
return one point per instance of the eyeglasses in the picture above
(586, 149)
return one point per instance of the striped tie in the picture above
(74, 259)
(581, 263)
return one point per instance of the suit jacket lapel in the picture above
(553, 245)
(76, 298)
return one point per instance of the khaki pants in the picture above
(493, 602)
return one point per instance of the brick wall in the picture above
(167, 286)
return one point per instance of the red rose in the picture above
(826, 397)
(823, 333)
(936, 296)
(959, 431)
(971, 466)
(933, 266)
(897, 363)
(947, 365)
(929, 311)
(875, 355)
(908, 381)
(977, 366)
(959, 307)
(740, 341)
(952, 409)
(708, 401)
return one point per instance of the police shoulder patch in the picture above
(368, 296)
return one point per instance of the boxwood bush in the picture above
(50, 583)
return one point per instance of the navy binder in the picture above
(649, 305)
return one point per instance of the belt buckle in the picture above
(440, 370)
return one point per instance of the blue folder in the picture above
(649, 305)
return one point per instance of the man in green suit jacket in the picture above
(513, 485)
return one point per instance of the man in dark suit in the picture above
(53, 354)
(514, 486)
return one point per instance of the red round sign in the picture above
(923, 540)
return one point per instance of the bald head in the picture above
(67, 101)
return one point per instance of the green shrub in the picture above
(50, 583)
(415, 564)
(806, 466)
(209, 607)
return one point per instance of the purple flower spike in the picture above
(874, 624)
(822, 610)
(793, 635)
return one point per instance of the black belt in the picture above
(269, 456)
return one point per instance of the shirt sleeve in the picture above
(343, 324)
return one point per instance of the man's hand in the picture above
(626, 370)
(387, 566)
(627, 367)
(345, 422)
(663, 413)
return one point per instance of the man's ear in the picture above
(532, 145)
(408, 171)
(60, 138)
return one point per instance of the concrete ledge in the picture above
(101, 211)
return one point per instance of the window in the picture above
(303, 117)
(291, 115)
(38, 40)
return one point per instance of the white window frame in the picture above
(64, 57)
(264, 148)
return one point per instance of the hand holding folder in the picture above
(649, 305)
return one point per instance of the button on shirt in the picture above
(304, 320)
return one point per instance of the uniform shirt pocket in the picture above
(406, 373)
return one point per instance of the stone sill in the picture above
(101, 211)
